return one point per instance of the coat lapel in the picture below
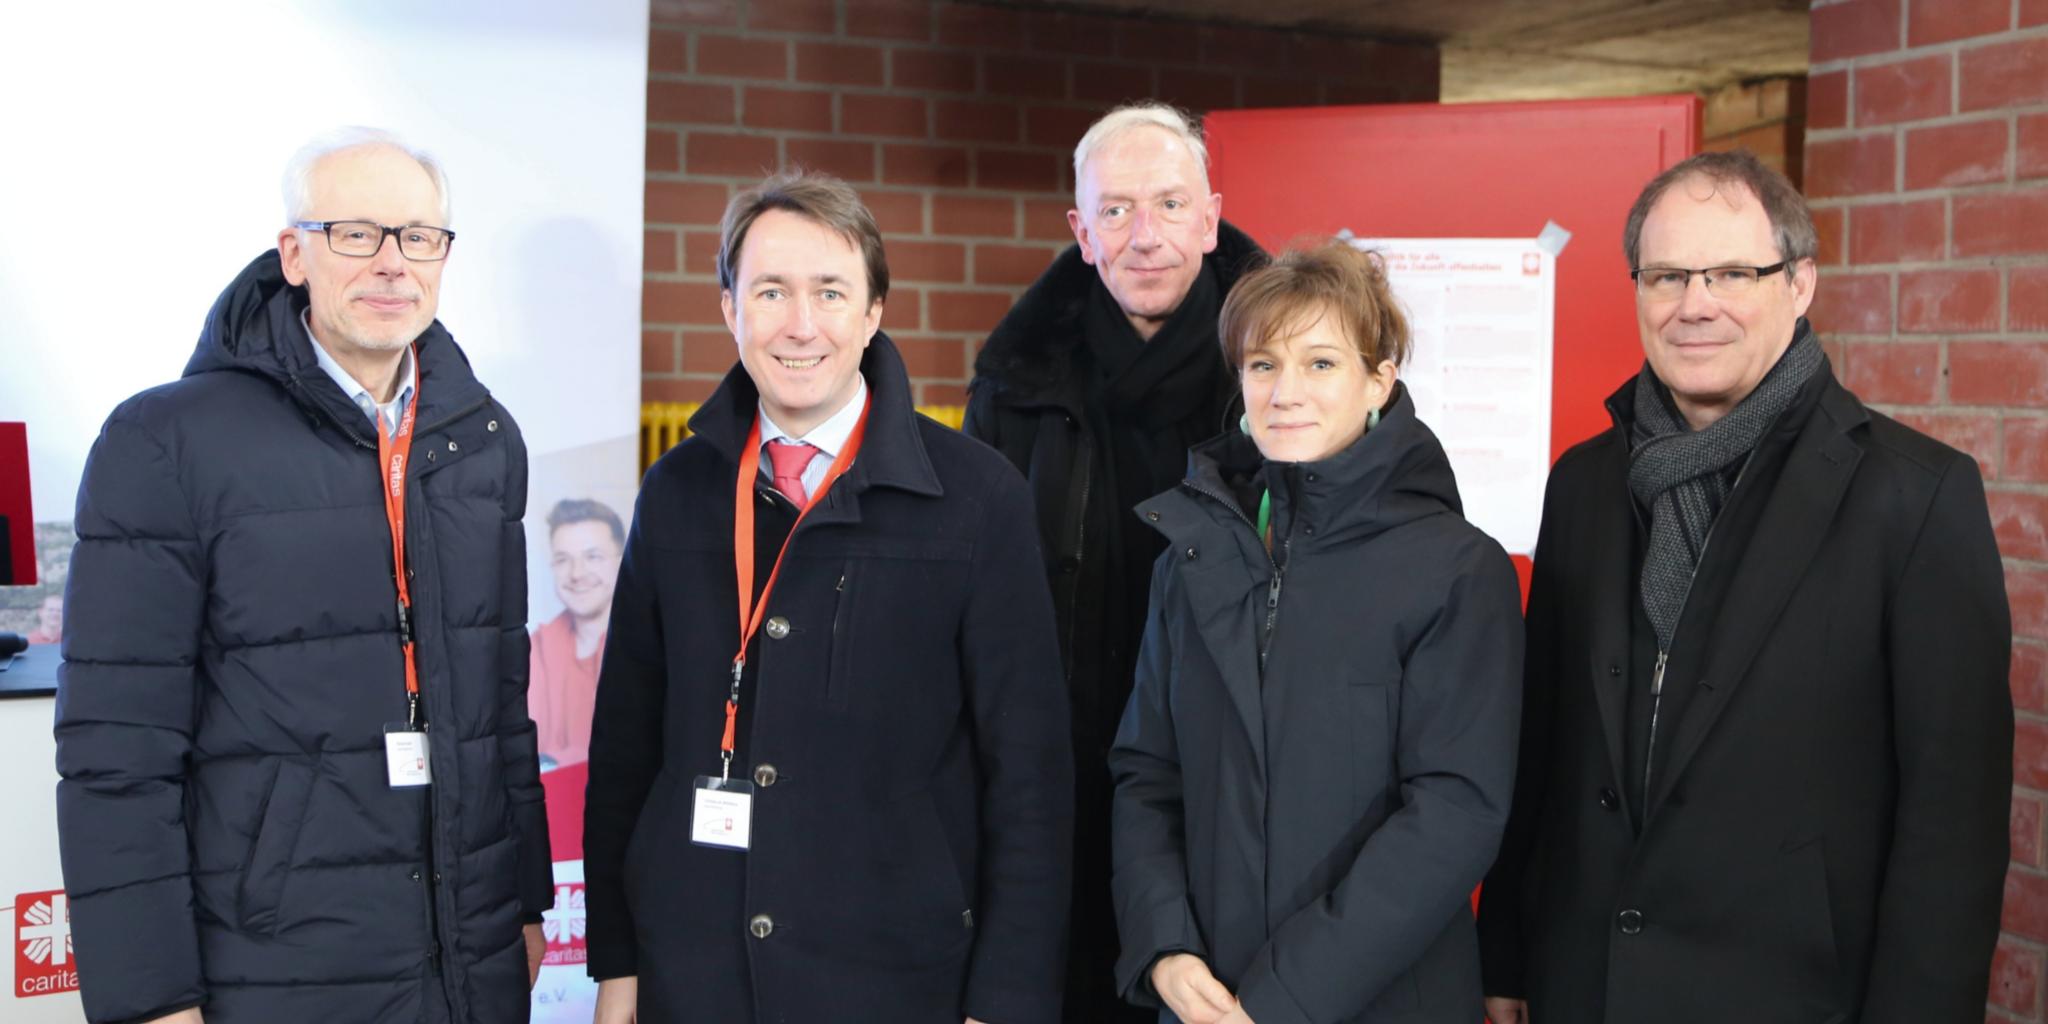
(1609, 591)
(1218, 583)
(1795, 523)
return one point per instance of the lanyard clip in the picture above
(412, 711)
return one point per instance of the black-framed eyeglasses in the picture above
(418, 242)
(1722, 282)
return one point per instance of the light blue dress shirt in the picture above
(828, 437)
(390, 411)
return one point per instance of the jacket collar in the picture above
(1029, 356)
(892, 452)
(256, 326)
(1396, 473)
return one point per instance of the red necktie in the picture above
(789, 459)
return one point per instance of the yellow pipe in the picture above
(663, 425)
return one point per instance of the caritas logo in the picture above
(43, 964)
(562, 926)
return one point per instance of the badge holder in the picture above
(723, 813)
(405, 756)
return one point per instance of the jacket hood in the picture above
(1397, 473)
(1029, 353)
(257, 326)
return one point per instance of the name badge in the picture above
(405, 757)
(724, 813)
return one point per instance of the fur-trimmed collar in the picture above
(1028, 357)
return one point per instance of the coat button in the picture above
(1614, 670)
(765, 775)
(761, 925)
(1193, 554)
(1609, 801)
(492, 426)
(451, 446)
(415, 876)
(1153, 516)
(1311, 478)
(430, 456)
(778, 627)
(1631, 921)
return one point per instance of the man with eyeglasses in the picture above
(1766, 753)
(298, 778)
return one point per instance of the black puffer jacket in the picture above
(231, 654)
(1316, 764)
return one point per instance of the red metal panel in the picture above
(20, 535)
(1482, 170)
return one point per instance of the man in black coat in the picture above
(1766, 752)
(1095, 386)
(254, 826)
(840, 789)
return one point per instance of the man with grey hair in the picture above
(1766, 751)
(1095, 385)
(298, 777)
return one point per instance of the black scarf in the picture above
(1158, 398)
(1684, 477)
(1148, 402)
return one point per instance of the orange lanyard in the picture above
(743, 557)
(392, 452)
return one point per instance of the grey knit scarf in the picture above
(1681, 473)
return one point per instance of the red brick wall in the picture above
(1927, 160)
(956, 121)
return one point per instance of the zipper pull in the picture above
(1657, 676)
(1273, 592)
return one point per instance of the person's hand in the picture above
(618, 1001)
(971, 1020)
(1237, 1016)
(1188, 989)
(190, 1016)
(1506, 1011)
(536, 948)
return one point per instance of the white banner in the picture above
(1480, 311)
(147, 144)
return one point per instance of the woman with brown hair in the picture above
(1315, 765)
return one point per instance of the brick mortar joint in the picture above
(2023, 188)
(1908, 51)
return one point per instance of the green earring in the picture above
(1244, 424)
(1372, 419)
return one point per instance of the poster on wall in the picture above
(129, 234)
(1480, 313)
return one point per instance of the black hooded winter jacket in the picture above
(229, 837)
(1315, 767)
